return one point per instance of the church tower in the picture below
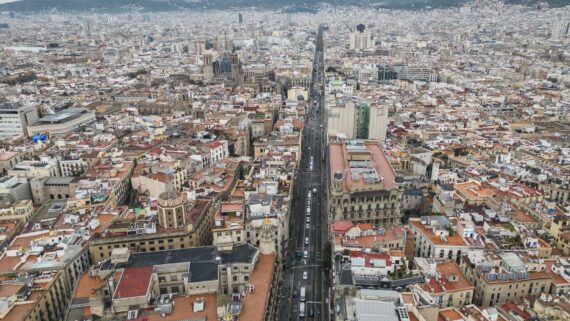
(208, 66)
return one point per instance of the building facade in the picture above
(15, 118)
(363, 184)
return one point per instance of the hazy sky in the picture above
(6, 1)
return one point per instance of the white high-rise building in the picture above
(378, 122)
(15, 118)
(342, 119)
(560, 30)
(361, 40)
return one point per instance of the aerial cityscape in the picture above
(195, 160)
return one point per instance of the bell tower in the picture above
(208, 66)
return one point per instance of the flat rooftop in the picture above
(134, 282)
(356, 160)
(11, 105)
(256, 302)
(451, 240)
(244, 253)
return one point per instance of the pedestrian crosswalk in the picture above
(306, 266)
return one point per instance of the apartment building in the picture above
(445, 283)
(27, 298)
(350, 236)
(21, 210)
(178, 224)
(45, 167)
(48, 264)
(436, 238)
(229, 227)
(364, 187)
(504, 276)
(236, 281)
(9, 159)
(560, 230)
(72, 166)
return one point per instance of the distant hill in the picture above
(169, 5)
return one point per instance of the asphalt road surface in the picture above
(303, 266)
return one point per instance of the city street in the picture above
(304, 263)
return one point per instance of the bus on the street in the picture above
(302, 310)
(303, 294)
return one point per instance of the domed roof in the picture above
(338, 175)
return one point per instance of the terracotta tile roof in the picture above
(513, 308)
(216, 144)
(364, 226)
(455, 240)
(256, 302)
(556, 279)
(7, 155)
(7, 289)
(368, 241)
(339, 163)
(450, 314)
(398, 253)
(231, 207)
(520, 216)
(368, 257)
(20, 311)
(408, 298)
(86, 286)
(341, 226)
(134, 282)
(447, 269)
(183, 309)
